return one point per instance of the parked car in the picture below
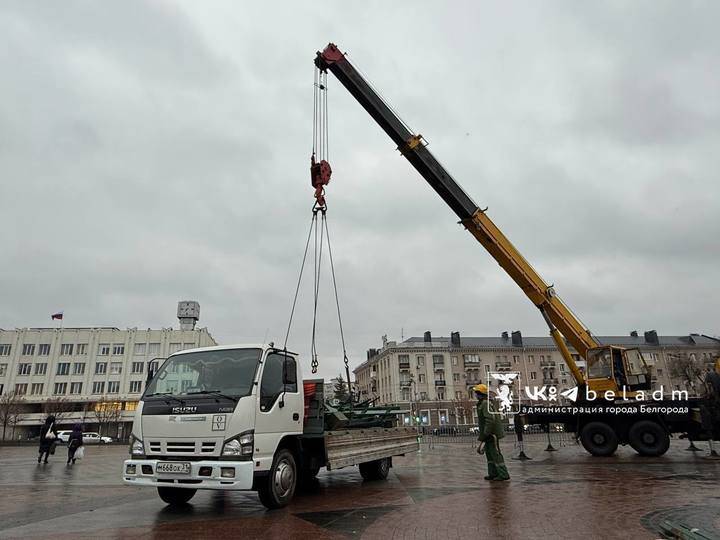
(63, 436)
(95, 438)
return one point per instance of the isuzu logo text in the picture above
(184, 410)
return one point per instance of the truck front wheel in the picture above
(599, 439)
(175, 496)
(648, 438)
(375, 470)
(277, 488)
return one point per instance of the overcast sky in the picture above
(153, 152)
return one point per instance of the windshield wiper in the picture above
(167, 395)
(214, 393)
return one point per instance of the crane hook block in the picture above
(319, 176)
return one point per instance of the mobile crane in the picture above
(609, 369)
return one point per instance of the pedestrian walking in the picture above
(48, 438)
(75, 441)
(490, 431)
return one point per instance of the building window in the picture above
(456, 377)
(36, 389)
(135, 387)
(40, 369)
(118, 349)
(3, 370)
(21, 389)
(76, 388)
(531, 359)
(458, 395)
(44, 349)
(82, 349)
(441, 394)
(453, 360)
(115, 368)
(420, 360)
(154, 349)
(443, 416)
(79, 368)
(533, 375)
(63, 368)
(5, 349)
(516, 358)
(659, 372)
(66, 349)
(425, 418)
(138, 367)
(139, 349)
(564, 381)
(28, 349)
(153, 367)
(423, 396)
(60, 389)
(421, 377)
(113, 387)
(104, 349)
(471, 359)
(100, 368)
(24, 369)
(98, 387)
(175, 347)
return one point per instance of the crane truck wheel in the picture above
(648, 438)
(599, 439)
(375, 470)
(277, 488)
(176, 496)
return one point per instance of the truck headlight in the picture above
(136, 447)
(240, 445)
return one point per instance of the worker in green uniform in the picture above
(490, 431)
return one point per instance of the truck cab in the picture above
(195, 425)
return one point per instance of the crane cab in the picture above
(617, 369)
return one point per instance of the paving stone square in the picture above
(437, 493)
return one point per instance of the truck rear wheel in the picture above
(277, 489)
(176, 496)
(599, 439)
(648, 438)
(375, 470)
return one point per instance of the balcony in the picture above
(547, 363)
(502, 364)
(404, 365)
(439, 367)
(405, 384)
(440, 382)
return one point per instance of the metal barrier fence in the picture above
(555, 438)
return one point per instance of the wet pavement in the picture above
(438, 493)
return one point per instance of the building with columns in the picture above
(432, 377)
(92, 375)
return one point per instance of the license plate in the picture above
(174, 467)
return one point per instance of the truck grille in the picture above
(182, 447)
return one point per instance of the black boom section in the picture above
(419, 156)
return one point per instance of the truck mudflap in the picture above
(218, 475)
(354, 446)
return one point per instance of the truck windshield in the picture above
(230, 372)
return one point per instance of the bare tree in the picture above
(10, 411)
(688, 370)
(106, 412)
(60, 408)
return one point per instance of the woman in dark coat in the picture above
(45, 442)
(75, 441)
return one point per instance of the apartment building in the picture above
(432, 377)
(92, 375)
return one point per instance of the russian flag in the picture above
(58, 315)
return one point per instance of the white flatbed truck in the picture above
(241, 418)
